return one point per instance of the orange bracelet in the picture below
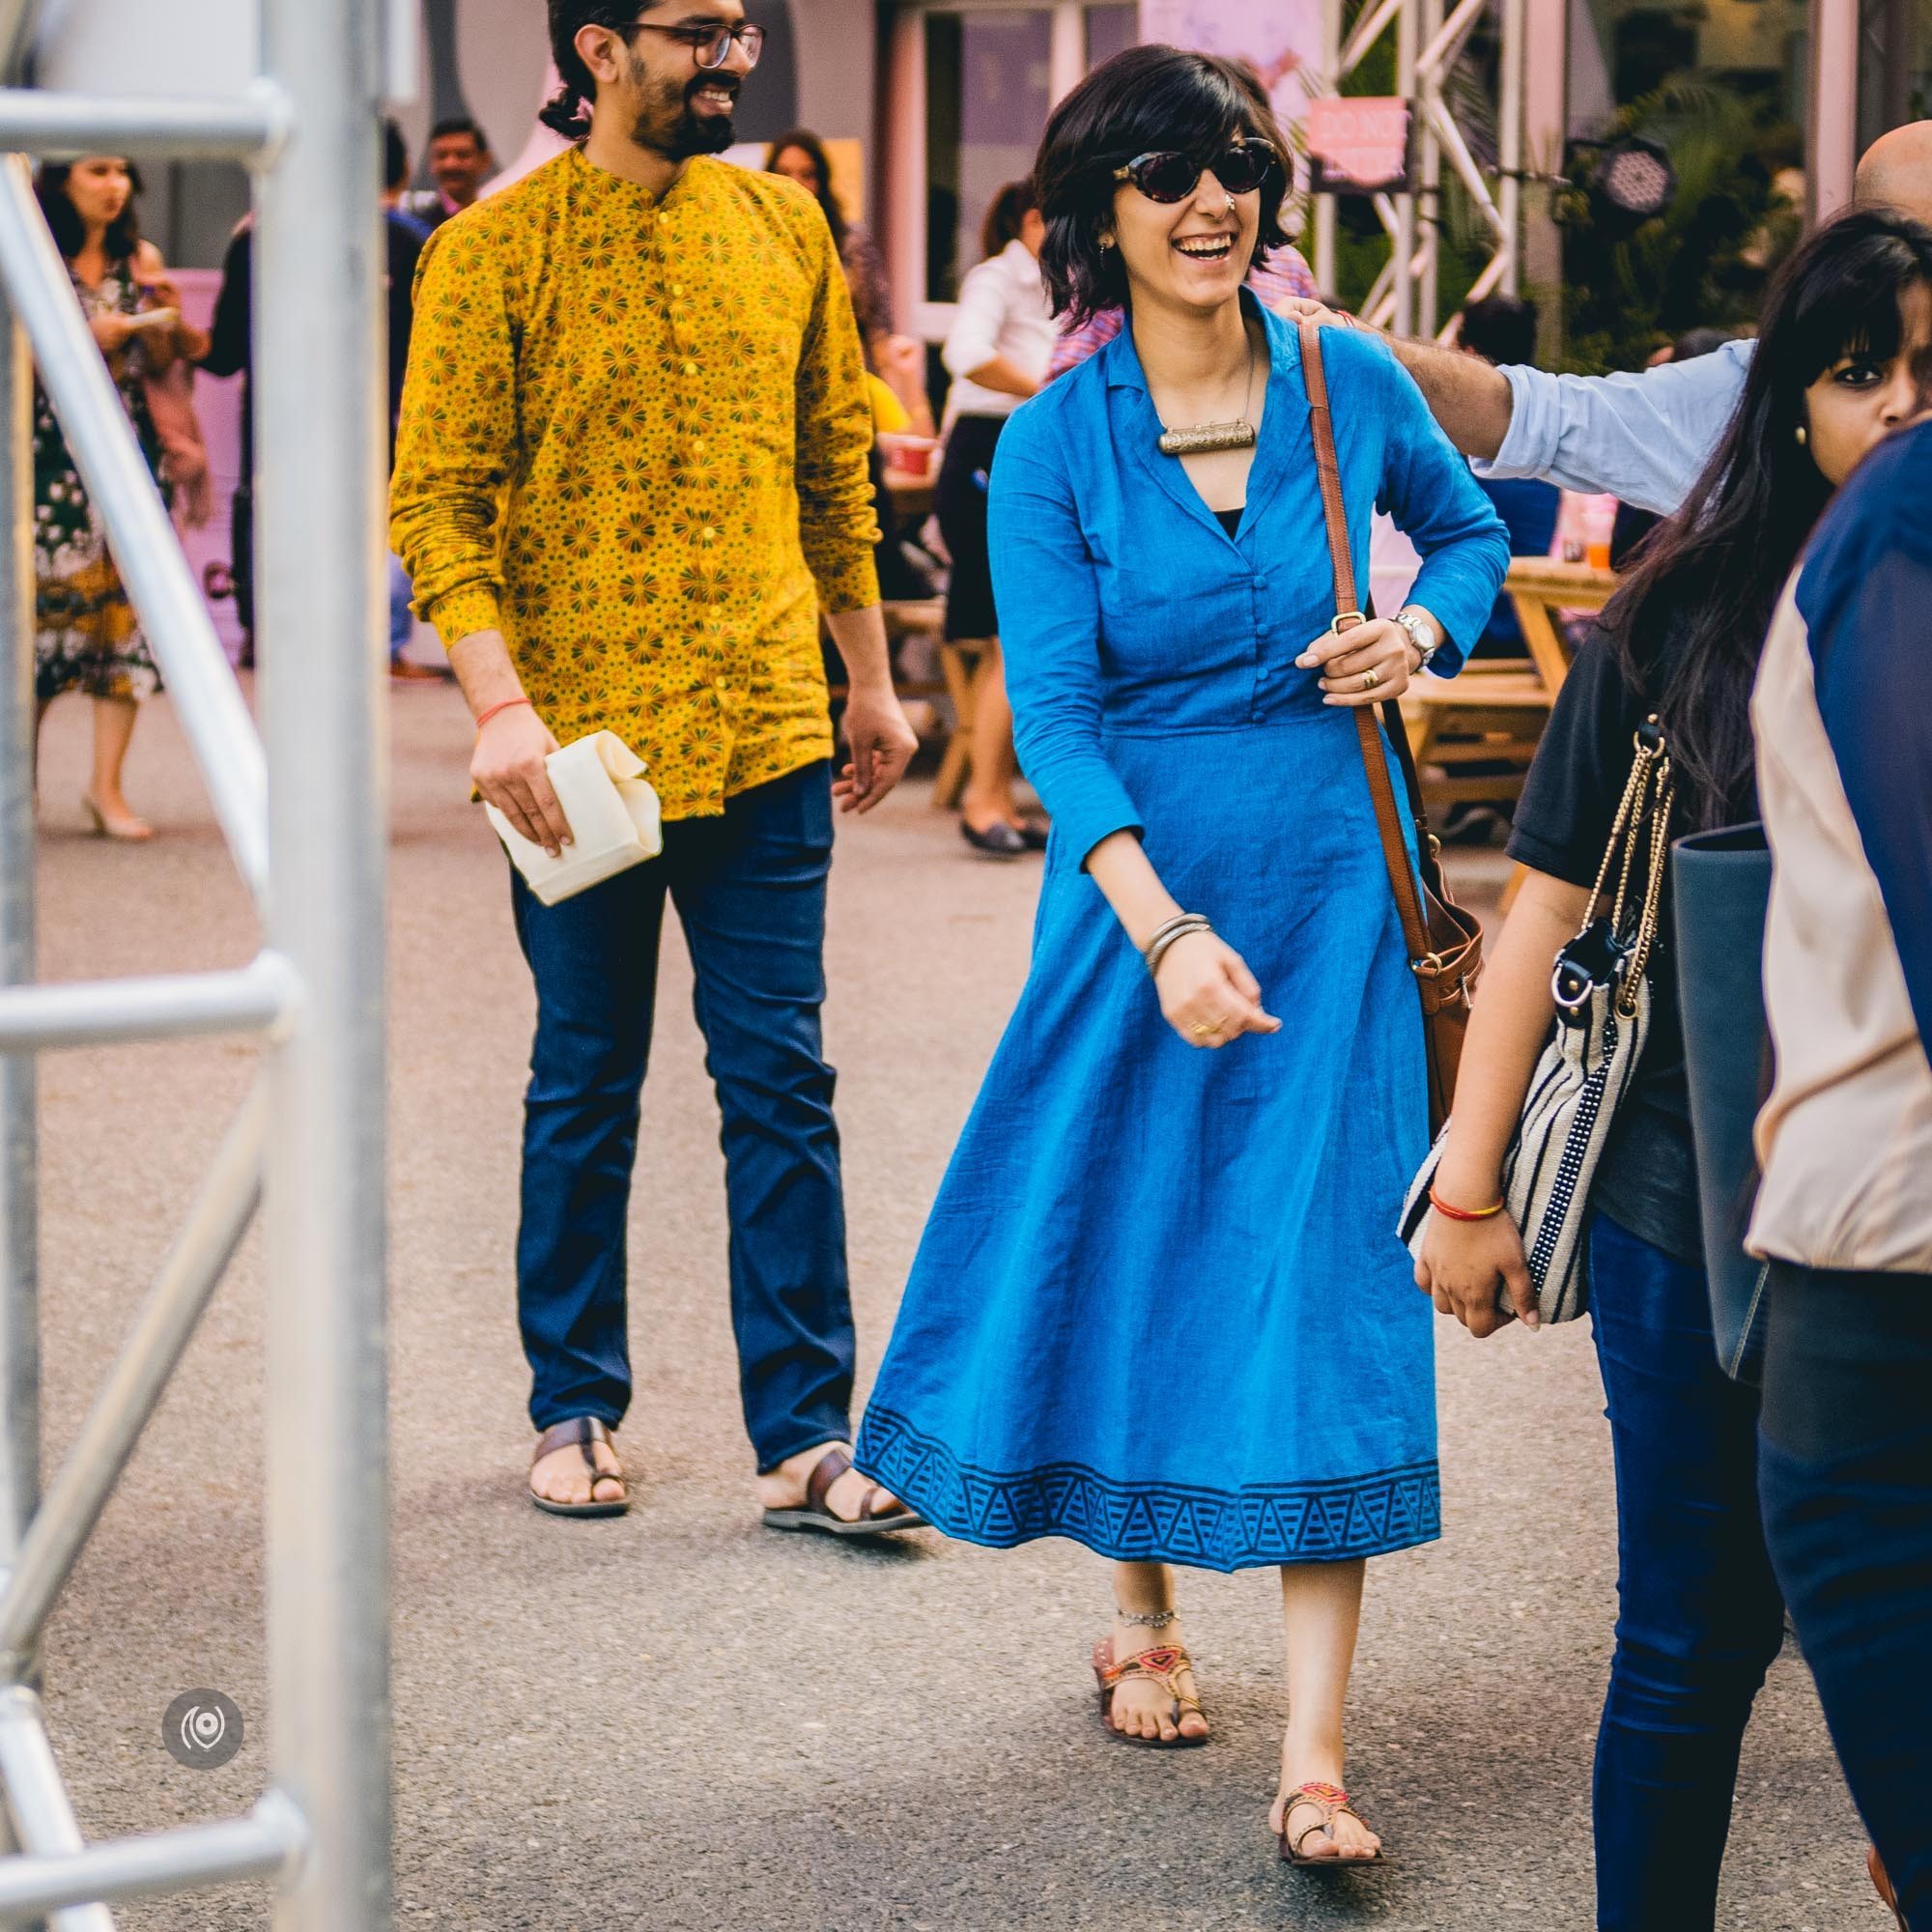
(1443, 1208)
(501, 704)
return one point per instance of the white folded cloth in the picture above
(614, 815)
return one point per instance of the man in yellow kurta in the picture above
(632, 467)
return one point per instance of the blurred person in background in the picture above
(1502, 328)
(1847, 329)
(87, 637)
(800, 155)
(997, 352)
(229, 350)
(460, 161)
(1844, 1209)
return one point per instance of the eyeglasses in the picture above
(711, 45)
(1171, 175)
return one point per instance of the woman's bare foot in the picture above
(561, 1477)
(1141, 1707)
(785, 1487)
(1347, 1841)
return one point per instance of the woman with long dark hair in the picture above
(800, 155)
(86, 635)
(1160, 1307)
(1699, 1618)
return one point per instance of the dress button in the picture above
(697, 445)
(690, 368)
(676, 289)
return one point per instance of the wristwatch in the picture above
(1421, 634)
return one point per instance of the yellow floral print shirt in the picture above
(634, 439)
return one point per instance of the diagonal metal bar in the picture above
(236, 126)
(209, 1237)
(256, 998)
(1461, 161)
(1448, 40)
(1369, 29)
(269, 1840)
(43, 1820)
(159, 583)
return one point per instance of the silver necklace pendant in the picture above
(1204, 437)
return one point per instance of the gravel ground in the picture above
(678, 1719)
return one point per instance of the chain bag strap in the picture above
(1444, 940)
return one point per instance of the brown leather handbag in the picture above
(1444, 940)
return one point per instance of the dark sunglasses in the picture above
(1172, 175)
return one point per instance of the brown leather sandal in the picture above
(1162, 1665)
(585, 1431)
(1882, 1880)
(815, 1513)
(1332, 1801)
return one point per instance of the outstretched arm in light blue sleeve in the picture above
(1048, 599)
(1644, 438)
(1443, 511)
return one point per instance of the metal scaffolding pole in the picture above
(20, 1239)
(1325, 204)
(306, 831)
(320, 265)
(1430, 211)
(1406, 50)
(1510, 142)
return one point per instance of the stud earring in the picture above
(1105, 242)
(1800, 436)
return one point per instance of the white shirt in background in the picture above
(1002, 311)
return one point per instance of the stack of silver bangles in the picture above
(1167, 932)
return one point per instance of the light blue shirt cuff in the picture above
(1530, 447)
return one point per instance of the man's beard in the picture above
(671, 125)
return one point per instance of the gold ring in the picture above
(1369, 679)
(1202, 1030)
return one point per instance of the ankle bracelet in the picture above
(1148, 1619)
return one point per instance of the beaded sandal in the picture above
(1161, 1666)
(1332, 1801)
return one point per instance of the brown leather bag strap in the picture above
(1389, 822)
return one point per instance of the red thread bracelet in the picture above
(501, 704)
(1443, 1208)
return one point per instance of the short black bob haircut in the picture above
(1143, 101)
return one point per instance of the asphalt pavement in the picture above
(679, 1720)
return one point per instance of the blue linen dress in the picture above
(1160, 1306)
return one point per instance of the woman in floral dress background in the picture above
(86, 635)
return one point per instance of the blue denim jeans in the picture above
(1699, 1618)
(749, 890)
(1845, 1468)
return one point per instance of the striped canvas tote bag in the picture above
(1602, 987)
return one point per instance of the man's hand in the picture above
(881, 743)
(1305, 309)
(507, 767)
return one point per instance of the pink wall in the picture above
(219, 405)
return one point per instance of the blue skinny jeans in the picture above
(1699, 1618)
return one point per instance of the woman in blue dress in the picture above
(1160, 1306)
